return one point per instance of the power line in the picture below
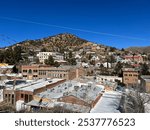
(70, 28)
(7, 39)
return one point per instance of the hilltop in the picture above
(139, 49)
(60, 42)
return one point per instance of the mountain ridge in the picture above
(52, 43)
(138, 49)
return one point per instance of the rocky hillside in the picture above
(139, 49)
(58, 42)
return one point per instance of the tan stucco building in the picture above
(42, 71)
(130, 77)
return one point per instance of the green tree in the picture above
(148, 57)
(90, 57)
(1, 56)
(50, 61)
(118, 69)
(122, 49)
(17, 54)
(56, 64)
(15, 70)
(70, 54)
(37, 60)
(112, 49)
(9, 56)
(43, 49)
(145, 69)
(72, 61)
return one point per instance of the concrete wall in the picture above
(147, 87)
(1, 95)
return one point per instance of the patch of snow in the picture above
(108, 103)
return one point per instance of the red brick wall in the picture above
(55, 84)
(96, 100)
(18, 94)
(72, 74)
(73, 100)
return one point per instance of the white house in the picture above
(98, 64)
(107, 65)
(58, 56)
(43, 56)
(95, 58)
(77, 56)
(85, 65)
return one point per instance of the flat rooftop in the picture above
(108, 103)
(84, 91)
(59, 90)
(130, 69)
(7, 67)
(63, 67)
(146, 78)
(28, 85)
(31, 86)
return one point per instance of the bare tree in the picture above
(134, 102)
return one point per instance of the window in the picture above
(30, 97)
(22, 95)
(24, 71)
(130, 74)
(26, 98)
(9, 97)
(35, 71)
(30, 71)
(125, 75)
(12, 101)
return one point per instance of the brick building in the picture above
(26, 90)
(73, 93)
(130, 77)
(134, 58)
(42, 71)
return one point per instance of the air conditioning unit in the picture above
(76, 88)
(65, 94)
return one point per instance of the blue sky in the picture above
(118, 23)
